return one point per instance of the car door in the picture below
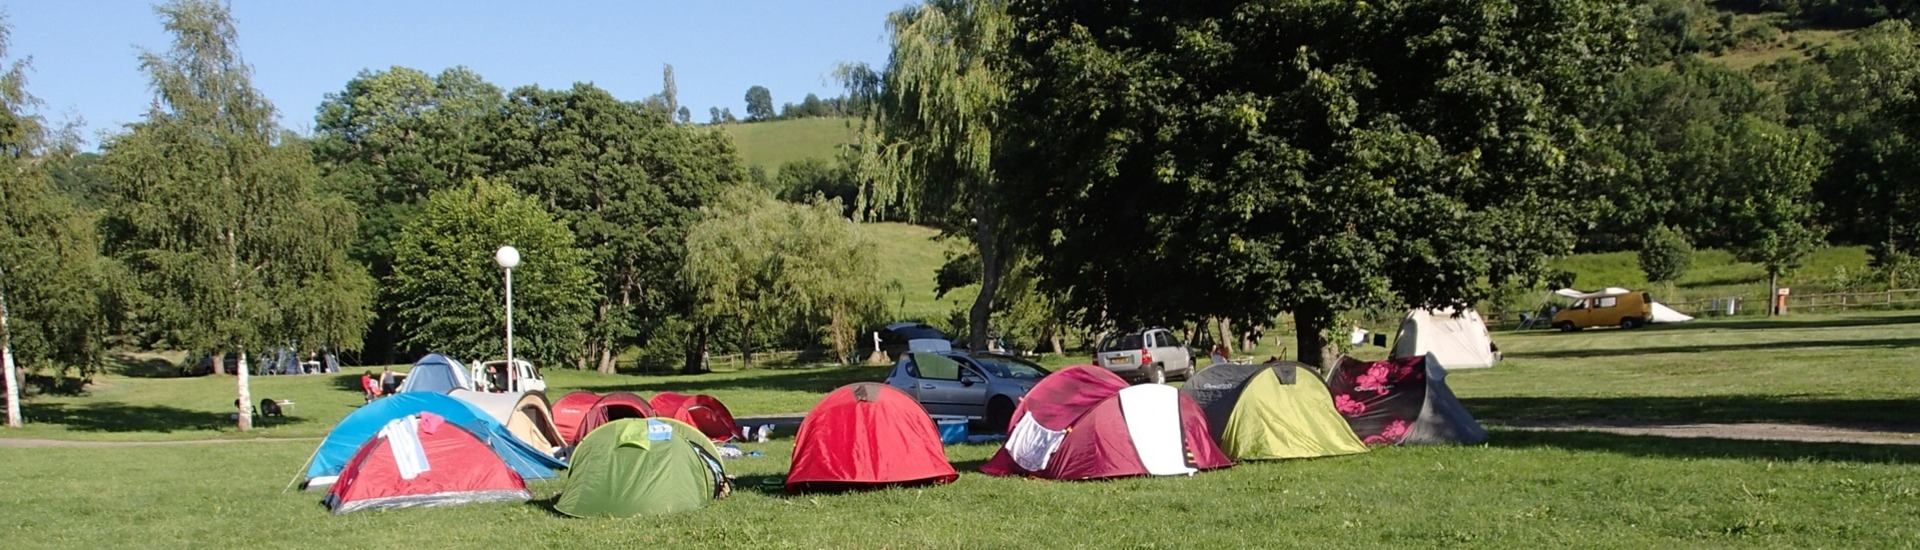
(1177, 358)
(937, 382)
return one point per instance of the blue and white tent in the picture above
(356, 429)
(438, 374)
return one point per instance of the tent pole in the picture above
(303, 467)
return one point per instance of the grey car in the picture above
(981, 386)
(1151, 355)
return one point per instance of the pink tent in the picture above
(1084, 422)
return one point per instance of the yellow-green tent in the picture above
(642, 466)
(1271, 411)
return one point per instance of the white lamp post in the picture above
(508, 257)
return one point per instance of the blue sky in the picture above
(84, 50)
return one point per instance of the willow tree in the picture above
(929, 143)
(215, 213)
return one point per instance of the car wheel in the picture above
(999, 414)
(1158, 375)
(1629, 323)
(1567, 326)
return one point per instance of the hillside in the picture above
(909, 256)
(767, 145)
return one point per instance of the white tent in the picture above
(1456, 341)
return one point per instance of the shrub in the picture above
(1665, 254)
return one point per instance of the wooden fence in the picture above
(1756, 304)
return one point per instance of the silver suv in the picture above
(1152, 354)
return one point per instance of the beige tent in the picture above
(1456, 341)
(527, 415)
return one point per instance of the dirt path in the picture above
(18, 443)
(1755, 431)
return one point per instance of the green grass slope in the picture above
(910, 255)
(768, 145)
(1716, 273)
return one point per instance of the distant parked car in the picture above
(1151, 355)
(983, 386)
(524, 378)
(899, 338)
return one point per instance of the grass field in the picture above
(1715, 273)
(768, 145)
(1521, 489)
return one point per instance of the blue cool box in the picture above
(952, 429)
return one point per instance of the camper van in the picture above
(1610, 307)
(521, 377)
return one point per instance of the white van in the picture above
(522, 377)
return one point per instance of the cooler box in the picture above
(953, 429)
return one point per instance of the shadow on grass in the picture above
(813, 380)
(1679, 447)
(152, 367)
(1790, 322)
(121, 418)
(1791, 409)
(1711, 348)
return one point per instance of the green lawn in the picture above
(768, 145)
(1521, 489)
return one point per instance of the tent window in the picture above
(936, 366)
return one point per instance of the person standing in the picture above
(387, 383)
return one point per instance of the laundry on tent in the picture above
(1275, 410)
(525, 414)
(867, 435)
(643, 466)
(700, 411)
(613, 406)
(346, 438)
(1401, 401)
(423, 460)
(436, 373)
(1458, 339)
(1084, 422)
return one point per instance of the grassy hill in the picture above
(910, 255)
(767, 145)
(1716, 273)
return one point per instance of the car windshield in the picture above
(1007, 367)
(1120, 342)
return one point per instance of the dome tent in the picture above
(1270, 411)
(700, 411)
(867, 435)
(1084, 422)
(570, 410)
(1458, 339)
(346, 438)
(614, 406)
(642, 466)
(423, 460)
(525, 414)
(436, 373)
(1401, 401)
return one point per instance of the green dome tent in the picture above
(642, 466)
(1272, 411)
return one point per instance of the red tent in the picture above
(700, 411)
(614, 406)
(423, 460)
(569, 410)
(867, 435)
(1084, 422)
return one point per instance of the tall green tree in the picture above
(1247, 159)
(628, 182)
(932, 138)
(759, 104)
(216, 213)
(1774, 185)
(51, 276)
(387, 140)
(450, 295)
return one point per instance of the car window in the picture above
(1609, 301)
(1167, 340)
(1010, 368)
(936, 366)
(1121, 342)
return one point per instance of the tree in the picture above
(52, 282)
(757, 261)
(759, 104)
(215, 213)
(627, 182)
(386, 141)
(1774, 186)
(1241, 160)
(1665, 254)
(685, 116)
(668, 90)
(930, 143)
(450, 294)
